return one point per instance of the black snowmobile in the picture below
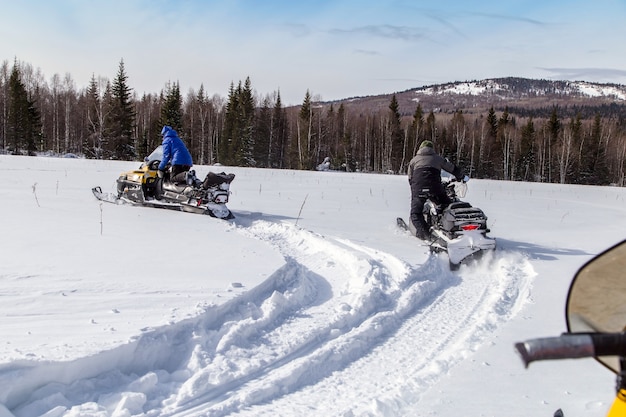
(144, 187)
(458, 228)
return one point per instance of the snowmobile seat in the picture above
(459, 213)
(459, 205)
(177, 188)
(212, 179)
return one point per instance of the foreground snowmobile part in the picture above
(143, 186)
(458, 229)
(596, 301)
(596, 319)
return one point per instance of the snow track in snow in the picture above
(367, 298)
(333, 311)
(439, 319)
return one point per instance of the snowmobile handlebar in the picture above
(572, 346)
(452, 179)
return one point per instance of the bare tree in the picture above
(69, 95)
(459, 134)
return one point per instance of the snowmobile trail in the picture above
(334, 310)
(318, 326)
(424, 341)
(375, 298)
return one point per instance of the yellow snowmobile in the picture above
(143, 186)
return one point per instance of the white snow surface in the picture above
(311, 302)
(602, 90)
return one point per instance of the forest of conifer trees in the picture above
(108, 120)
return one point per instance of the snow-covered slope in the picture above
(309, 302)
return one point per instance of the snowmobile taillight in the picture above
(470, 226)
(221, 198)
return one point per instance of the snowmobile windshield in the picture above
(156, 155)
(460, 188)
(597, 298)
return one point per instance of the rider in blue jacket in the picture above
(176, 153)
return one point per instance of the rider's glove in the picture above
(465, 178)
(160, 173)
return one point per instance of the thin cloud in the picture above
(521, 19)
(405, 33)
(366, 52)
(443, 21)
(585, 73)
(445, 18)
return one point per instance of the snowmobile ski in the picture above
(114, 199)
(106, 197)
(402, 225)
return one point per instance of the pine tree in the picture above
(205, 111)
(345, 149)
(33, 130)
(554, 129)
(302, 146)
(107, 150)
(416, 130)
(278, 146)
(237, 144)
(94, 141)
(527, 159)
(503, 144)
(396, 139)
(122, 118)
(247, 116)
(594, 169)
(430, 129)
(263, 134)
(491, 150)
(23, 119)
(492, 123)
(229, 131)
(576, 131)
(172, 109)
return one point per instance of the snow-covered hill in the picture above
(521, 95)
(522, 87)
(309, 302)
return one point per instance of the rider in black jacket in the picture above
(425, 179)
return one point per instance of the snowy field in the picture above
(309, 303)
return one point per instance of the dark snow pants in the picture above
(178, 174)
(419, 195)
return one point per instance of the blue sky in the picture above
(334, 49)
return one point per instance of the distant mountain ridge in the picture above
(478, 95)
(523, 87)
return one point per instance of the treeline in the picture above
(107, 120)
